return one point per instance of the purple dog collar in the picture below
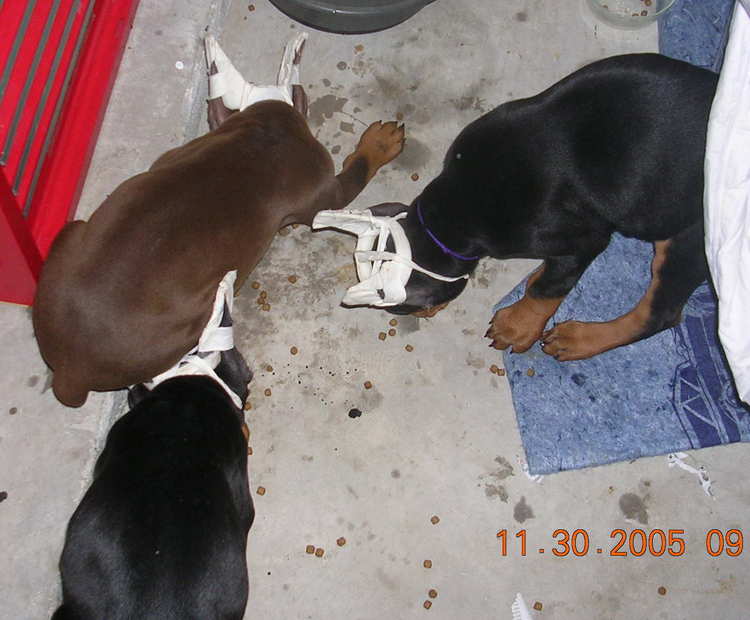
(440, 244)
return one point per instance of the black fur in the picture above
(616, 146)
(162, 531)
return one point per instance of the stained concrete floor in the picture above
(437, 434)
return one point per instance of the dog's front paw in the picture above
(514, 327)
(381, 143)
(575, 340)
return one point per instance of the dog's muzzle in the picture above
(382, 275)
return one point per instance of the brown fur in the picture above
(125, 295)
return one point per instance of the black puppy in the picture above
(616, 146)
(162, 531)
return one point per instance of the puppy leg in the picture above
(217, 111)
(521, 324)
(380, 143)
(678, 267)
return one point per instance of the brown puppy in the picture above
(125, 295)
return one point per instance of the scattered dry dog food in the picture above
(341, 541)
(251, 8)
(310, 549)
(393, 322)
(391, 332)
(261, 490)
(255, 285)
(269, 368)
(662, 590)
(381, 335)
(359, 48)
(501, 372)
(530, 372)
(432, 593)
(319, 552)
(248, 406)
(292, 279)
(267, 391)
(538, 606)
(265, 307)
(249, 451)
(435, 519)
(263, 294)
(409, 348)
(294, 350)
(494, 369)
(427, 604)
(427, 563)
(415, 177)
(368, 385)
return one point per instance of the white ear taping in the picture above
(236, 93)
(383, 275)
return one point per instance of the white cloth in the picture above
(236, 92)
(727, 199)
(382, 275)
(206, 355)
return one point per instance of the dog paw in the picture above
(381, 142)
(575, 340)
(512, 327)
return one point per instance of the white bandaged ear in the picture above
(206, 355)
(382, 275)
(236, 92)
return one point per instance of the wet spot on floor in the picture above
(325, 107)
(326, 82)
(496, 490)
(468, 103)
(521, 16)
(633, 508)
(474, 362)
(504, 470)
(336, 149)
(395, 473)
(32, 380)
(347, 127)
(414, 156)
(522, 511)
(341, 66)
(307, 458)
(13, 410)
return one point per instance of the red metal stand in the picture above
(58, 61)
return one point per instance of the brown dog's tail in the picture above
(69, 389)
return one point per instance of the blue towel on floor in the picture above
(667, 393)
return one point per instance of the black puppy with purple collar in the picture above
(161, 533)
(617, 146)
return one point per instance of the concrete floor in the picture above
(437, 434)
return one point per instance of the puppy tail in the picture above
(68, 390)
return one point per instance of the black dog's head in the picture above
(426, 295)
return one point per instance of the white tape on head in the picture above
(236, 92)
(206, 355)
(382, 275)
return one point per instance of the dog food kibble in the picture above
(294, 350)
(427, 563)
(249, 451)
(393, 322)
(368, 385)
(662, 590)
(255, 285)
(435, 519)
(391, 332)
(644, 13)
(248, 406)
(415, 177)
(409, 348)
(381, 335)
(501, 372)
(432, 593)
(292, 279)
(13, 410)
(341, 541)
(494, 369)
(530, 372)
(359, 48)
(261, 490)
(265, 307)
(647, 2)
(267, 391)
(538, 606)
(269, 368)
(319, 552)
(263, 294)
(310, 549)
(427, 604)
(251, 8)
